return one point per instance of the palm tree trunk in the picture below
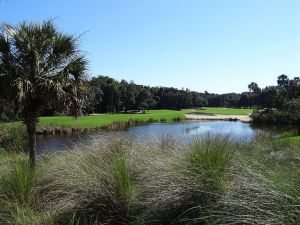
(31, 132)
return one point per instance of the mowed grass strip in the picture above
(98, 120)
(225, 111)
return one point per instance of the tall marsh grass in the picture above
(211, 180)
(13, 137)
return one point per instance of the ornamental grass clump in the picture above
(263, 187)
(93, 186)
(181, 184)
(17, 180)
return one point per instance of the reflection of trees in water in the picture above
(190, 129)
(276, 128)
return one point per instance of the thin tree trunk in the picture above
(31, 132)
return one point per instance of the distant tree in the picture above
(108, 94)
(112, 95)
(269, 97)
(40, 64)
(283, 81)
(198, 100)
(293, 106)
(187, 99)
(144, 99)
(127, 95)
(294, 88)
(254, 88)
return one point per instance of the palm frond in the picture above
(42, 63)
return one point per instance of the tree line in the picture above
(103, 94)
(107, 95)
(281, 103)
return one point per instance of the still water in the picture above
(151, 132)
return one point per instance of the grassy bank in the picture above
(118, 181)
(295, 139)
(99, 120)
(102, 120)
(67, 124)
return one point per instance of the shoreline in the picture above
(242, 118)
(121, 125)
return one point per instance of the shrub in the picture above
(177, 119)
(276, 117)
(163, 120)
(151, 120)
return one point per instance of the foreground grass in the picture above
(99, 120)
(224, 111)
(118, 181)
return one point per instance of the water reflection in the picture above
(151, 132)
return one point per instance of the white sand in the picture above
(242, 118)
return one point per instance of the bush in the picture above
(177, 119)
(163, 120)
(151, 120)
(276, 117)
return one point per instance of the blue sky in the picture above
(214, 45)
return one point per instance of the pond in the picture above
(151, 132)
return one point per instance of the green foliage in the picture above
(276, 117)
(107, 95)
(40, 66)
(281, 103)
(52, 67)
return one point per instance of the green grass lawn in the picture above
(225, 111)
(99, 120)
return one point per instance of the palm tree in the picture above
(40, 64)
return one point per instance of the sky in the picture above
(217, 46)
